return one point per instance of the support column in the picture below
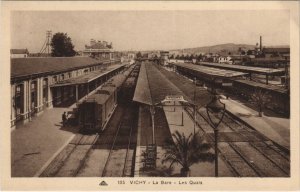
(267, 79)
(39, 94)
(76, 93)
(50, 95)
(152, 111)
(25, 102)
(29, 99)
(42, 94)
(13, 110)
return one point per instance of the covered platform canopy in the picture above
(209, 71)
(88, 77)
(273, 88)
(153, 87)
(245, 69)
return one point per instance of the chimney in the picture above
(260, 43)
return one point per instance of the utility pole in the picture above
(46, 46)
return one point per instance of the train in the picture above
(95, 111)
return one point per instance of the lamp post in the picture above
(215, 107)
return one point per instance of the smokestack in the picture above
(260, 43)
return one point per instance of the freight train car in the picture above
(95, 111)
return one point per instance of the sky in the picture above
(151, 30)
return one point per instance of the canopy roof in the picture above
(153, 87)
(88, 77)
(246, 69)
(210, 71)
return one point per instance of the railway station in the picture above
(40, 83)
(124, 118)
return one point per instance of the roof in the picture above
(98, 45)
(19, 51)
(276, 49)
(87, 77)
(210, 71)
(99, 98)
(37, 65)
(246, 69)
(268, 60)
(152, 86)
(264, 86)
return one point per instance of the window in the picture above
(54, 80)
(45, 82)
(33, 85)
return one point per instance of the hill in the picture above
(228, 47)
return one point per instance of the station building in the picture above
(99, 49)
(43, 82)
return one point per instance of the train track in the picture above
(119, 161)
(69, 161)
(246, 151)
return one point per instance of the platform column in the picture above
(13, 111)
(76, 93)
(152, 111)
(50, 96)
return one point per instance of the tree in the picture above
(62, 45)
(260, 99)
(187, 151)
(139, 55)
(200, 57)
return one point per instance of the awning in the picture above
(87, 77)
(210, 71)
(153, 87)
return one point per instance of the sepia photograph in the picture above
(178, 95)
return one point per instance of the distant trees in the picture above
(139, 55)
(61, 46)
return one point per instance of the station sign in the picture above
(169, 98)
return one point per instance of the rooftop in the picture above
(152, 86)
(87, 77)
(245, 69)
(19, 51)
(276, 50)
(37, 65)
(210, 71)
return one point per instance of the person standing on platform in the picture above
(64, 118)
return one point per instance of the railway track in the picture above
(120, 159)
(246, 151)
(70, 160)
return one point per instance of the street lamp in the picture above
(214, 108)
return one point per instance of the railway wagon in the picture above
(95, 111)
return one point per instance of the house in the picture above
(225, 59)
(19, 53)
